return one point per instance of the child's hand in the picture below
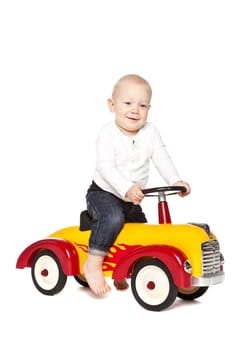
(135, 194)
(184, 184)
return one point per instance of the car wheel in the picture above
(191, 293)
(47, 274)
(81, 280)
(152, 285)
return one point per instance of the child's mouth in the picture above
(131, 118)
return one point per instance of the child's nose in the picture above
(135, 110)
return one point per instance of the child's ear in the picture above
(110, 104)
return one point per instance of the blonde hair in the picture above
(135, 79)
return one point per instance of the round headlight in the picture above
(187, 266)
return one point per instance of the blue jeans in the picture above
(109, 214)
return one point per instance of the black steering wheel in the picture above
(171, 189)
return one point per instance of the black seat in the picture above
(85, 221)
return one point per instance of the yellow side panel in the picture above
(188, 238)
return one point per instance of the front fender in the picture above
(64, 250)
(172, 257)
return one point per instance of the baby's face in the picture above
(130, 104)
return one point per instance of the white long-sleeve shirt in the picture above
(122, 161)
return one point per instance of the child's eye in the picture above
(127, 103)
(143, 106)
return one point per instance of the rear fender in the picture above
(64, 250)
(172, 257)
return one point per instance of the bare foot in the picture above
(121, 284)
(92, 270)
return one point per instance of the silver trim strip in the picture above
(208, 280)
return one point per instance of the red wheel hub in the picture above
(151, 285)
(44, 273)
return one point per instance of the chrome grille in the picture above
(210, 258)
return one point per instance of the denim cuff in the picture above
(93, 251)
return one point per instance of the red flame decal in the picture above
(116, 252)
(82, 247)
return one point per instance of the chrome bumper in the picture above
(208, 280)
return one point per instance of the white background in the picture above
(58, 63)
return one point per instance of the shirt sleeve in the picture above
(106, 165)
(163, 162)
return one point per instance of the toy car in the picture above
(163, 261)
